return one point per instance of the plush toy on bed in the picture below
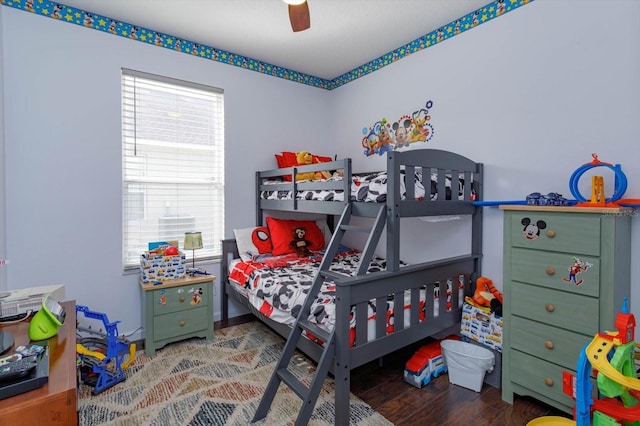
(299, 244)
(305, 158)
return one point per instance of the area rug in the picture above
(215, 382)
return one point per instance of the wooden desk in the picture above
(55, 403)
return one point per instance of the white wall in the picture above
(531, 95)
(3, 246)
(63, 150)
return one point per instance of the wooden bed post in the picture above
(258, 208)
(342, 363)
(476, 224)
(393, 220)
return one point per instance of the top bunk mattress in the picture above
(372, 187)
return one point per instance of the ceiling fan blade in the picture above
(299, 17)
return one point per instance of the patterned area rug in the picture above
(218, 382)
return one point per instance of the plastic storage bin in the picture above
(492, 378)
(467, 363)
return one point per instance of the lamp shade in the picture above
(193, 240)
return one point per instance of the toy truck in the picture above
(426, 363)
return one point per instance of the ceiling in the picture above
(344, 34)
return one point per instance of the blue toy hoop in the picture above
(620, 183)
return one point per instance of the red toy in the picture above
(427, 362)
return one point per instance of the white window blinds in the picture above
(173, 164)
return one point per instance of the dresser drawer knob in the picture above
(548, 381)
(550, 270)
(181, 299)
(548, 344)
(549, 307)
(551, 233)
(182, 323)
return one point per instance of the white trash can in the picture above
(467, 363)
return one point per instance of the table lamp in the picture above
(193, 242)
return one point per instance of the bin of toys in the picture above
(467, 364)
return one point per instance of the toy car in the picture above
(426, 363)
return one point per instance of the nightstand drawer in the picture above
(540, 376)
(556, 308)
(561, 271)
(175, 299)
(570, 233)
(547, 342)
(186, 322)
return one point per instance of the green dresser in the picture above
(177, 309)
(566, 273)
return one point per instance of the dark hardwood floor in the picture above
(439, 403)
(380, 384)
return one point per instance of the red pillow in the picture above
(281, 231)
(321, 159)
(290, 159)
(286, 159)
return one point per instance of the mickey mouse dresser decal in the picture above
(532, 231)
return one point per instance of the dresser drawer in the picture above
(178, 324)
(556, 308)
(539, 376)
(175, 299)
(561, 271)
(564, 232)
(553, 344)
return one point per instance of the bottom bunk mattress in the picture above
(277, 286)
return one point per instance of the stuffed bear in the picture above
(299, 244)
(305, 158)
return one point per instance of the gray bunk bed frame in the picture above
(395, 280)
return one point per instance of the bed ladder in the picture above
(309, 394)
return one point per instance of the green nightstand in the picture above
(176, 310)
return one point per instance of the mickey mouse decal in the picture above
(531, 231)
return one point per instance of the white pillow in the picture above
(245, 242)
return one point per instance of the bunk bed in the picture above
(406, 288)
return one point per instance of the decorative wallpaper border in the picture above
(77, 16)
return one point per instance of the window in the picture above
(173, 164)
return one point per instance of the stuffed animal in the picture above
(486, 292)
(305, 158)
(299, 244)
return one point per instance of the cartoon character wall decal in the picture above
(579, 266)
(56, 12)
(384, 136)
(401, 131)
(421, 130)
(531, 231)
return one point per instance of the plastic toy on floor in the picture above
(426, 363)
(102, 359)
(611, 356)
